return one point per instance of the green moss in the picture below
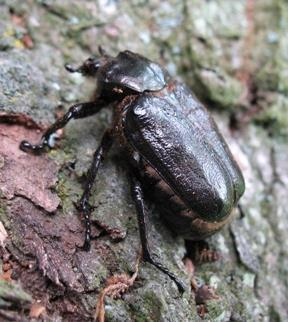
(3, 214)
(274, 315)
(61, 188)
(69, 191)
(2, 207)
(216, 310)
(151, 308)
(275, 114)
(218, 87)
(13, 293)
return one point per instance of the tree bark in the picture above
(232, 54)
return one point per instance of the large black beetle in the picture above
(171, 143)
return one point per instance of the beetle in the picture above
(171, 143)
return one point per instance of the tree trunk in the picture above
(232, 55)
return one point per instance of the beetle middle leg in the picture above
(137, 195)
(76, 111)
(84, 207)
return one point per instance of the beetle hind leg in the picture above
(137, 195)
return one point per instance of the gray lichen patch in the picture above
(22, 85)
(12, 294)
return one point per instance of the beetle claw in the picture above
(86, 246)
(153, 260)
(27, 147)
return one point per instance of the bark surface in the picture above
(233, 55)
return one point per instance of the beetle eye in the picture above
(93, 61)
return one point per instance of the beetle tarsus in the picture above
(85, 211)
(137, 195)
(152, 260)
(87, 243)
(25, 146)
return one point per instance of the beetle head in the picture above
(127, 70)
(88, 68)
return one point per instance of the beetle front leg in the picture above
(76, 111)
(84, 207)
(137, 195)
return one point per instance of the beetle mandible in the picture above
(171, 142)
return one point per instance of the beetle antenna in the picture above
(71, 69)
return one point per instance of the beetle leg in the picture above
(102, 51)
(241, 211)
(84, 207)
(76, 111)
(137, 195)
